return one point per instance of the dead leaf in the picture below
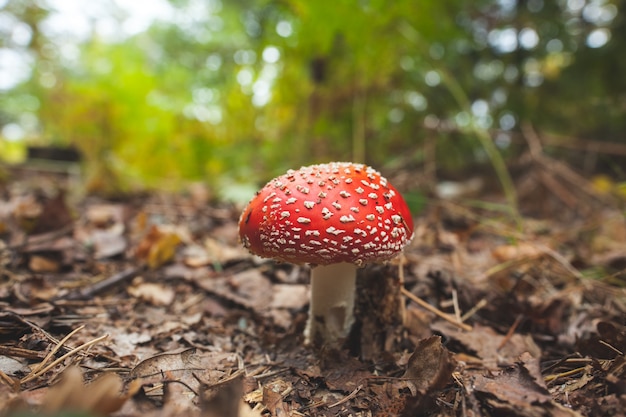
(26, 211)
(273, 395)
(224, 400)
(487, 344)
(104, 215)
(533, 367)
(108, 242)
(291, 296)
(100, 397)
(429, 367)
(195, 256)
(249, 288)
(158, 246)
(55, 214)
(185, 366)
(220, 252)
(522, 250)
(39, 263)
(155, 294)
(342, 372)
(513, 391)
(12, 403)
(10, 366)
(178, 396)
(37, 288)
(126, 343)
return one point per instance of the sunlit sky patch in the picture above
(110, 19)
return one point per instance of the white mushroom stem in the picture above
(331, 311)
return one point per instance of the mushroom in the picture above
(336, 217)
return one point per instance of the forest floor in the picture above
(149, 306)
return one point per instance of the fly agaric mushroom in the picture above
(336, 217)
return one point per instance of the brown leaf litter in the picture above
(150, 307)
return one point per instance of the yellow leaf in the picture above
(163, 250)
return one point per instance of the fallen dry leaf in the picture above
(108, 242)
(185, 366)
(158, 246)
(223, 399)
(522, 250)
(513, 391)
(104, 215)
(10, 366)
(249, 288)
(429, 367)
(100, 397)
(291, 296)
(39, 263)
(55, 214)
(155, 294)
(488, 345)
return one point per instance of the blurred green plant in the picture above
(243, 90)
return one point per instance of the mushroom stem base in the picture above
(331, 312)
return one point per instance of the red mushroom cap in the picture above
(326, 214)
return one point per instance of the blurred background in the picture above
(159, 93)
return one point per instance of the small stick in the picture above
(509, 334)
(62, 358)
(473, 310)
(100, 286)
(436, 311)
(347, 397)
(56, 348)
(21, 352)
(550, 378)
(614, 349)
(7, 380)
(457, 309)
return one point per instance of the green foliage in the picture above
(248, 89)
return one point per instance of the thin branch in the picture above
(347, 397)
(34, 375)
(103, 285)
(447, 317)
(56, 348)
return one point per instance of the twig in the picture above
(585, 145)
(557, 168)
(510, 333)
(455, 304)
(7, 380)
(473, 310)
(100, 286)
(447, 317)
(19, 352)
(613, 348)
(56, 348)
(42, 238)
(270, 373)
(347, 397)
(550, 378)
(31, 325)
(34, 375)
(503, 266)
